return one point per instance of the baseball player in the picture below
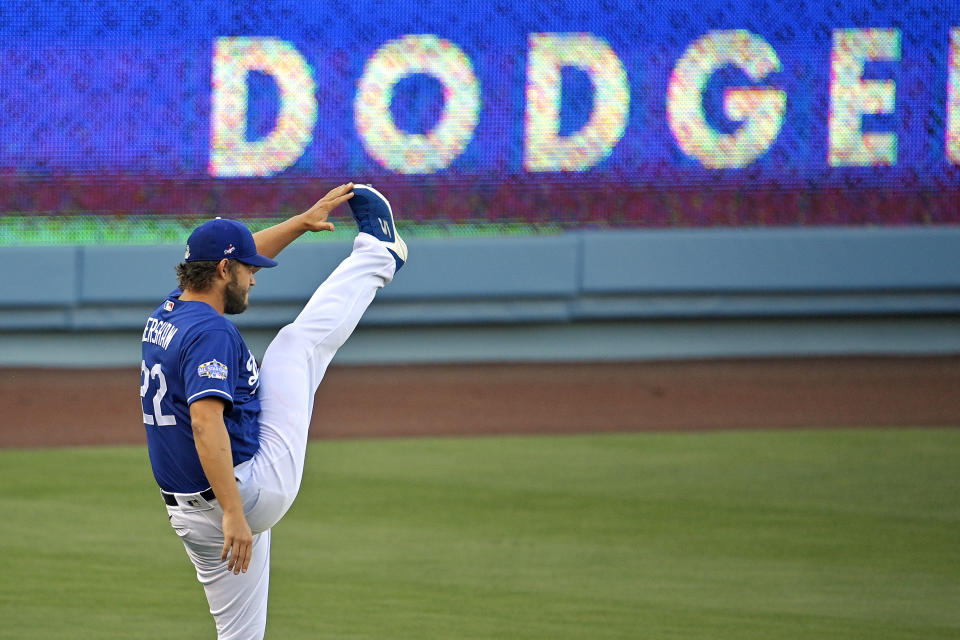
(227, 438)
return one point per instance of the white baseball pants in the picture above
(292, 369)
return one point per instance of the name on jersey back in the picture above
(159, 332)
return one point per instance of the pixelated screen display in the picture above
(506, 115)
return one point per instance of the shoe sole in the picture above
(393, 223)
(401, 246)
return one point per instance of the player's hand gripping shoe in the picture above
(374, 216)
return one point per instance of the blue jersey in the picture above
(190, 352)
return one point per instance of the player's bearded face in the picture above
(235, 296)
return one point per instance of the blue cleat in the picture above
(374, 216)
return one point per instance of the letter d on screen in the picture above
(231, 154)
(545, 149)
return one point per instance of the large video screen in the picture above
(519, 115)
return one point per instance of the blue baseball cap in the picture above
(219, 239)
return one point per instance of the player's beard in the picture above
(234, 298)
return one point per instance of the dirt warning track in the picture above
(43, 407)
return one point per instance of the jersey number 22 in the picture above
(155, 373)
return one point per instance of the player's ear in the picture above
(223, 268)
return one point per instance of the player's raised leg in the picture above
(297, 359)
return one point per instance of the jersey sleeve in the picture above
(208, 367)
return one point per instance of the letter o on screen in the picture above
(413, 153)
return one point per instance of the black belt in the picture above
(171, 499)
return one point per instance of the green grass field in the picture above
(787, 534)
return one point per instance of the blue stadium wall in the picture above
(584, 295)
